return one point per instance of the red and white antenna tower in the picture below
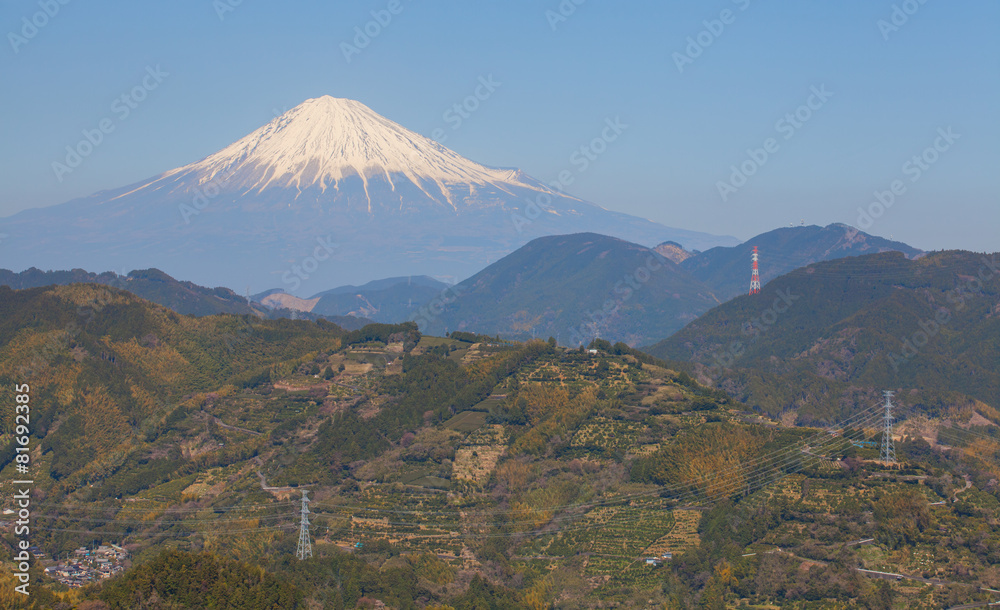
(755, 278)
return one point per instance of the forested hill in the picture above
(388, 300)
(852, 327)
(109, 366)
(156, 286)
(150, 284)
(726, 270)
(462, 471)
(575, 288)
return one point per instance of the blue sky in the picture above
(893, 88)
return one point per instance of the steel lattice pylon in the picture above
(888, 446)
(305, 544)
(755, 274)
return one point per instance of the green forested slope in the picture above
(855, 326)
(466, 472)
(574, 288)
(727, 269)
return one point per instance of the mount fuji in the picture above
(326, 194)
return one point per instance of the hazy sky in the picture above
(697, 84)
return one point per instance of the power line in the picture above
(748, 473)
(733, 479)
(778, 465)
(752, 475)
(862, 418)
(793, 464)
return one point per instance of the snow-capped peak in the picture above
(325, 139)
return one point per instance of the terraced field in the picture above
(615, 534)
(466, 421)
(476, 460)
(607, 434)
(681, 537)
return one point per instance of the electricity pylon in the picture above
(305, 545)
(888, 446)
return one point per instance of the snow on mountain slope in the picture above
(329, 180)
(325, 140)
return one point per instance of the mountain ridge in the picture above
(158, 287)
(382, 284)
(388, 300)
(781, 250)
(574, 287)
(816, 337)
(252, 213)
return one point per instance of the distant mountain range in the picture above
(158, 287)
(416, 281)
(555, 286)
(150, 284)
(574, 288)
(388, 300)
(326, 194)
(820, 339)
(727, 269)
(577, 287)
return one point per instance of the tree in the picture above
(203, 580)
(901, 517)
(880, 597)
